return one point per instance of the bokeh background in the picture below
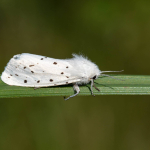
(115, 35)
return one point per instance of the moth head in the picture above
(95, 76)
(94, 72)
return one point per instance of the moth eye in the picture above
(94, 77)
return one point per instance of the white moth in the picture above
(30, 70)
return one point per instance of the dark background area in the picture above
(113, 34)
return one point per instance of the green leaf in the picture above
(131, 85)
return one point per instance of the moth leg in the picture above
(96, 87)
(92, 83)
(77, 89)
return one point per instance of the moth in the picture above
(30, 70)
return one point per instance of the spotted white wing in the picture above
(31, 70)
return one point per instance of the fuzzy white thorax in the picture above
(84, 68)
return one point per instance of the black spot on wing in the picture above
(67, 77)
(62, 72)
(24, 67)
(41, 58)
(38, 81)
(51, 80)
(16, 74)
(32, 71)
(55, 63)
(67, 67)
(31, 65)
(25, 81)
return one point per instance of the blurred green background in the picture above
(113, 34)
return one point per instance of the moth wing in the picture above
(31, 70)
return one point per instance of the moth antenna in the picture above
(112, 71)
(110, 77)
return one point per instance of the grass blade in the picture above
(131, 85)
